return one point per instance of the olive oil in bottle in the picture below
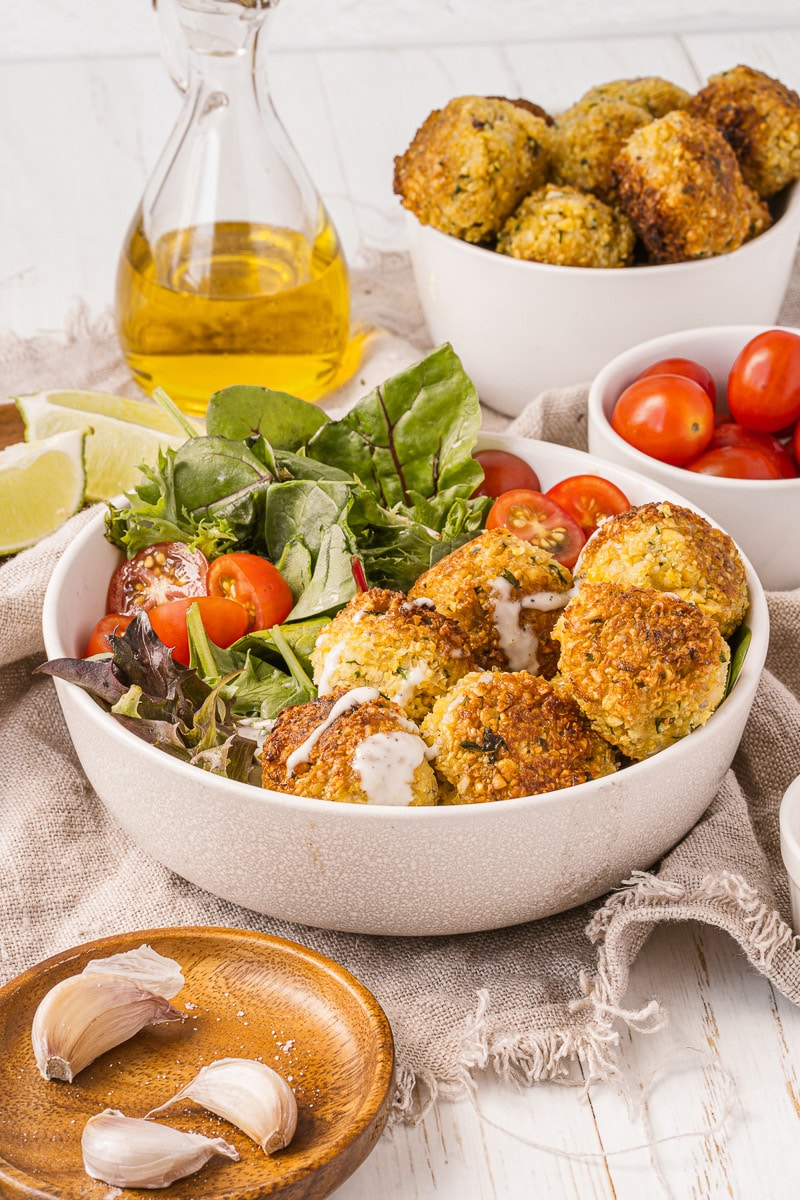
(234, 302)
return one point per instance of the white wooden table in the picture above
(86, 105)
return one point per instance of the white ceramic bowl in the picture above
(761, 515)
(384, 870)
(790, 845)
(521, 327)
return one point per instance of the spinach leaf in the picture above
(303, 509)
(332, 583)
(412, 435)
(244, 411)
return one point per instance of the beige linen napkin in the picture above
(527, 1002)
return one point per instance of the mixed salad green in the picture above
(388, 485)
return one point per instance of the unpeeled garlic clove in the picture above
(247, 1093)
(85, 1015)
(133, 1152)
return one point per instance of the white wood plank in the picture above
(778, 54)
(87, 28)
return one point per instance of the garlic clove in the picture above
(85, 1015)
(132, 1152)
(152, 971)
(247, 1093)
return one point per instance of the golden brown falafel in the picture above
(673, 549)
(588, 137)
(681, 187)
(470, 164)
(500, 734)
(352, 746)
(760, 119)
(505, 594)
(651, 92)
(569, 228)
(404, 648)
(644, 666)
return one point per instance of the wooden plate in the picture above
(246, 995)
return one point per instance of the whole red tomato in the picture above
(539, 520)
(764, 382)
(686, 367)
(503, 472)
(255, 583)
(728, 433)
(669, 417)
(156, 574)
(735, 462)
(224, 621)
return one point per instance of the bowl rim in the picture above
(598, 395)
(422, 814)
(791, 208)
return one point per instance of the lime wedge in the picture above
(121, 433)
(41, 485)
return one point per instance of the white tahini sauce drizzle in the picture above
(362, 695)
(385, 763)
(519, 643)
(329, 664)
(410, 683)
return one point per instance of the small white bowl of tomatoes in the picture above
(714, 414)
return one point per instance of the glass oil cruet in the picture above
(231, 271)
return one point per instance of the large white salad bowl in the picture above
(386, 870)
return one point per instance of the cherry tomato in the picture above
(669, 417)
(537, 519)
(589, 499)
(224, 621)
(764, 382)
(503, 472)
(155, 575)
(796, 443)
(98, 639)
(731, 434)
(253, 582)
(686, 367)
(735, 462)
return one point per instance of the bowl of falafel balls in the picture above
(543, 245)
(507, 738)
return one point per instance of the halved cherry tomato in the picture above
(537, 519)
(225, 622)
(735, 462)
(503, 472)
(589, 499)
(669, 417)
(729, 433)
(255, 583)
(686, 367)
(764, 382)
(98, 639)
(155, 575)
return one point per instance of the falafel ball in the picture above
(644, 666)
(470, 164)
(505, 594)
(569, 228)
(404, 648)
(651, 92)
(588, 137)
(681, 186)
(673, 549)
(500, 734)
(352, 747)
(760, 119)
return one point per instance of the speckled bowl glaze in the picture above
(761, 515)
(521, 327)
(395, 871)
